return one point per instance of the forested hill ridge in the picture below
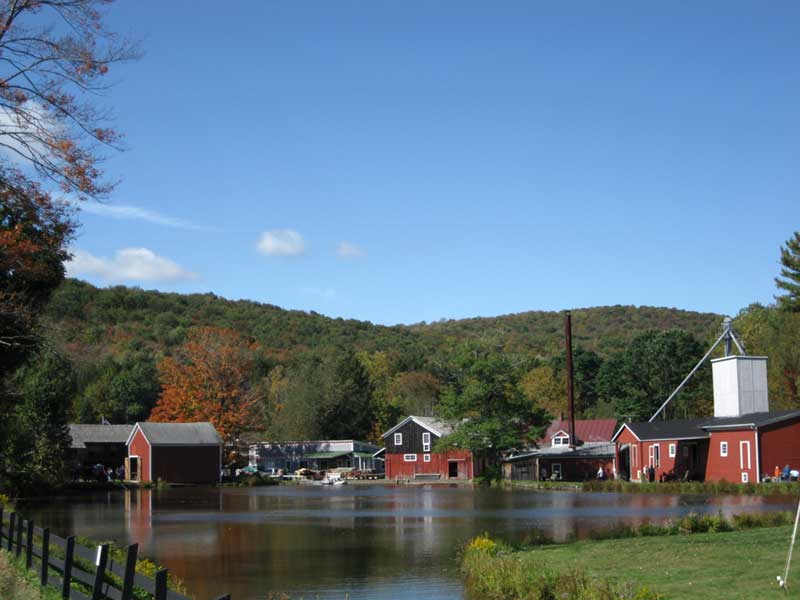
(82, 316)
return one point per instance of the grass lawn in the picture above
(738, 564)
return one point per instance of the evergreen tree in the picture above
(790, 271)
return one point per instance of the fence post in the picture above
(18, 549)
(29, 547)
(99, 576)
(45, 554)
(11, 524)
(130, 569)
(68, 567)
(161, 585)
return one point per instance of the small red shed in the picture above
(174, 452)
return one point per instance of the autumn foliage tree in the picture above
(54, 55)
(210, 378)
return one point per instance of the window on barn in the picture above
(410, 457)
(398, 439)
(426, 442)
(723, 448)
(426, 457)
(654, 454)
(672, 452)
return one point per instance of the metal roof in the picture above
(82, 434)
(606, 449)
(587, 430)
(432, 424)
(179, 434)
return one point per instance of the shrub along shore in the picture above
(703, 556)
(673, 487)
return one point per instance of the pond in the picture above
(368, 541)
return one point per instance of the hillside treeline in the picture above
(305, 375)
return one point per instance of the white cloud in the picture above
(349, 250)
(128, 264)
(128, 212)
(281, 242)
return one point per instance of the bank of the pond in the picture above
(717, 488)
(19, 584)
(717, 565)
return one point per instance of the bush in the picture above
(494, 575)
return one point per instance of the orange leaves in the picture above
(209, 380)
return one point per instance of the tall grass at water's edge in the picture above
(693, 487)
(492, 570)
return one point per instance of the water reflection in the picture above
(374, 541)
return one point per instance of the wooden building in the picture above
(556, 457)
(738, 449)
(742, 443)
(93, 444)
(174, 452)
(409, 452)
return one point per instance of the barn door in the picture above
(744, 460)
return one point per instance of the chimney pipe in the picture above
(570, 395)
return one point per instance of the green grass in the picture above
(713, 566)
(18, 583)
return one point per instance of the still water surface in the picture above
(371, 542)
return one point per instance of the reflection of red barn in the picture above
(174, 452)
(553, 456)
(743, 442)
(409, 452)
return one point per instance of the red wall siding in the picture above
(780, 445)
(139, 447)
(186, 464)
(730, 468)
(397, 468)
(670, 467)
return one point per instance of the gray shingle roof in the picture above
(180, 434)
(82, 434)
(698, 428)
(437, 426)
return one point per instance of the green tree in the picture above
(491, 412)
(789, 280)
(37, 428)
(642, 376)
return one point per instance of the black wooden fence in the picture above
(70, 567)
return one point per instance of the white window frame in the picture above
(398, 439)
(673, 450)
(557, 470)
(742, 445)
(723, 449)
(409, 458)
(426, 458)
(560, 440)
(654, 455)
(426, 442)
(745, 477)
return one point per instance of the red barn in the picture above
(742, 443)
(174, 452)
(410, 455)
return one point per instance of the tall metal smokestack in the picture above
(573, 441)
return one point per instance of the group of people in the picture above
(785, 474)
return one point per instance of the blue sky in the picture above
(410, 161)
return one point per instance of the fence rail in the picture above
(81, 573)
